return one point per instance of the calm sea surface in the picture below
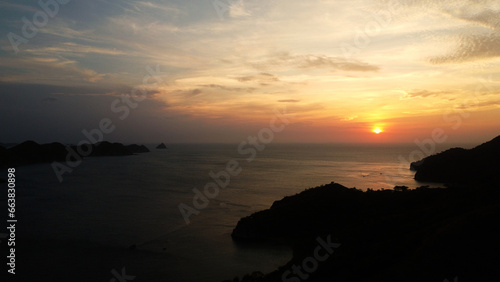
(115, 202)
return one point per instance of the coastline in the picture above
(391, 235)
(140, 168)
(418, 234)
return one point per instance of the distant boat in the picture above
(161, 146)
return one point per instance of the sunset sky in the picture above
(341, 69)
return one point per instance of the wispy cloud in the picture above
(20, 7)
(289, 101)
(76, 50)
(423, 93)
(261, 77)
(473, 43)
(311, 61)
(49, 70)
(487, 104)
(472, 47)
(226, 88)
(486, 12)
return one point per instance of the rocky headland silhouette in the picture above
(461, 166)
(425, 234)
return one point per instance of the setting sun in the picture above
(377, 130)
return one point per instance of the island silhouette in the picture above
(30, 152)
(161, 146)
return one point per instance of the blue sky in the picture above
(341, 67)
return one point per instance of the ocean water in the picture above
(108, 204)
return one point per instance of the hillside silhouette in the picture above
(458, 165)
(425, 234)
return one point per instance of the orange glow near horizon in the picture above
(304, 75)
